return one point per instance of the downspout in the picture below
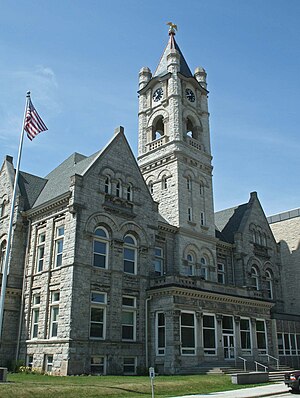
(146, 331)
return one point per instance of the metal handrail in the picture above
(276, 359)
(257, 363)
(245, 360)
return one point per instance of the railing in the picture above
(244, 360)
(260, 364)
(276, 359)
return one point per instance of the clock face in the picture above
(158, 94)
(190, 95)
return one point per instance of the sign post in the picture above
(152, 375)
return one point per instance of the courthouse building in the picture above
(118, 263)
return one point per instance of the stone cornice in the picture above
(61, 200)
(211, 296)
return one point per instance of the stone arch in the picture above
(192, 125)
(157, 125)
(131, 228)
(98, 219)
(192, 248)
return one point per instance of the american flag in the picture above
(33, 123)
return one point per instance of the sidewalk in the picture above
(262, 391)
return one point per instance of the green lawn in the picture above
(39, 386)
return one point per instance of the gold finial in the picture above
(172, 28)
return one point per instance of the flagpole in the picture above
(11, 219)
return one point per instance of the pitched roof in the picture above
(30, 187)
(58, 181)
(228, 221)
(162, 67)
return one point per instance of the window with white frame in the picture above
(54, 313)
(161, 333)
(100, 248)
(128, 318)
(98, 315)
(187, 329)
(288, 344)
(254, 278)
(107, 185)
(202, 218)
(151, 187)
(29, 361)
(129, 365)
(98, 365)
(40, 253)
(204, 268)
(190, 264)
(264, 239)
(245, 333)
(269, 283)
(158, 261)
(48, 363)
(36, 300)
(221, 273)
(130, 254)
(2, 255)
(119, 189)
(261, 336)
(209, 334)
(59, 245)
(129, 192)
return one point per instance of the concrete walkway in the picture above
(262, 391)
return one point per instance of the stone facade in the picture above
(118, 265)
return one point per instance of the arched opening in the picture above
(269, 280)
(191, 130)
(158, 129)
(254, 278)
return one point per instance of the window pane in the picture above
(209, 338)
(127, 318)
(187, 319)
(209, 321)
(98, 297)
(100, 232)
(129, 254)
(128, 301)
(129, 267)
(99, 247)
(97, 314)
(187, 337)
(99, 260)
(96, 330)
(127, 332)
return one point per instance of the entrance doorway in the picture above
(228, 345)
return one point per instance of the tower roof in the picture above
(162, 67)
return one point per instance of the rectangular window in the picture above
(48, 363)
(190, 214)
(128, 318)
(280, 343)
(202, 218)
(209, 334)
(55, 297)
(187, 327)
(161, 333)
(287, 346)
(59, 245)
(129, 365)
(221, 273)
(98, 315)
(261, 336)
(245, 331)
(129, 260)
(40, 252)
(98, 365)
(298, 343)
(35, 316)
(29, 361)
(158, 261)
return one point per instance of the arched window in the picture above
(164, 182)
(259, 238)
(269, 281)
(100, 248)
(158, 129)
(254, 278)
(129, 193)
(201, 188)
(107, 185)
(190, 129)
(151, 187)
(188, 183)
(264, 239)
(2, 255)
(2, 209)
(118, 189)
(190, 264)
(254, 235)
(204, 268)
(130, 254)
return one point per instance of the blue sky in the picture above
(80, 60)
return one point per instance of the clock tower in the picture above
(174, 141)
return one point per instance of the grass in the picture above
(41, 386)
